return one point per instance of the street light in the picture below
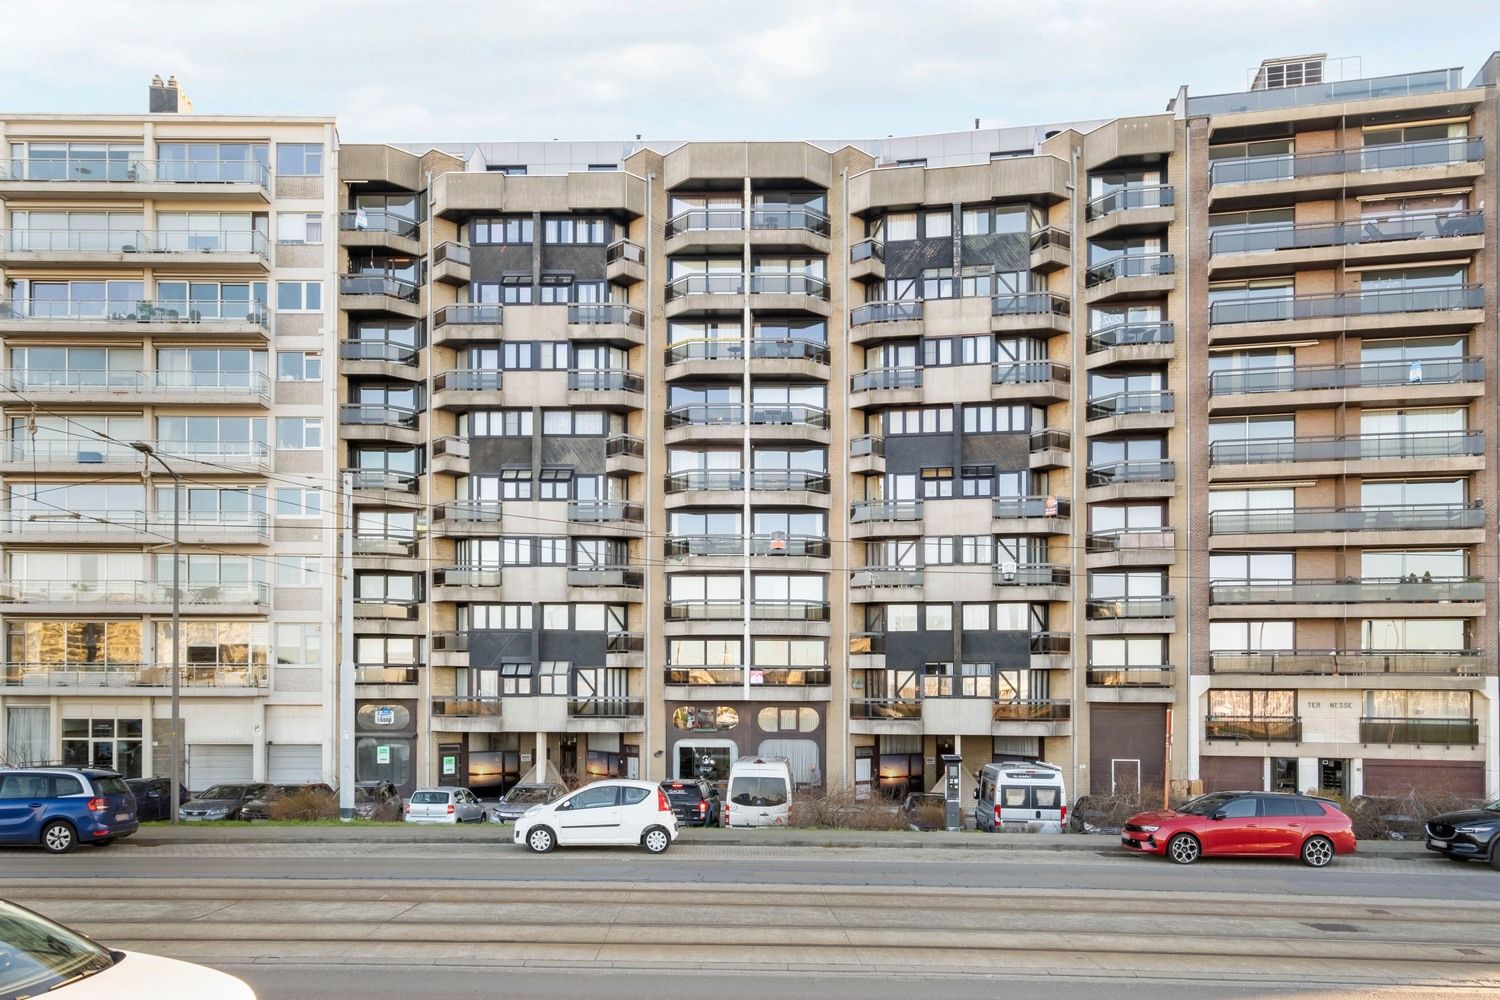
(145, 449)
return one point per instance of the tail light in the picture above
(98, 805)
(407, 808)
(662, 805)
(997, 813)
(702, 807)
(1063, 816)
(450, 809)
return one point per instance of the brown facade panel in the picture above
(1402, 777)
(1127, 749)
(1232, 774)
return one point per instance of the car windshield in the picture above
(223, 792)
(429, 798)
(686, 793)
(1493, 807)
(527, 796)
(1203, 805)
(36, 955)
(112, 785)
(758, 792)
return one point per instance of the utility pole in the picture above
(146, 450)
(346, 655)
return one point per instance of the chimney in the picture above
(168, 98)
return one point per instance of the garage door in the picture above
(213, 763)
(294, 763)
(1232, 774)
(1401, 777)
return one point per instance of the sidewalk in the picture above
(154, 835)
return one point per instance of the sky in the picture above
(434, 71)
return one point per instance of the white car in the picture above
(41, 958)
(444, 805)
(606, 812)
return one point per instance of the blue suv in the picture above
(58, 807)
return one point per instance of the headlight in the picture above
(1471, 831)
(1150, 829)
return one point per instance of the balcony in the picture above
(1253, 730)
(1361, 169)
(704, 545)
(378, 357)
(380, 293)
(1131, 547)
(381, 609)
(882, 320)
(1418, 731)
(706, 229)
(707, 286)
(1051, 250)
(1130, 410)
(886, 512)
(93, 385)
(766, 215)
(1250, 250)
(789, 546)
(1130, 276)
(1049, 515)
(1440, 306)
(612, 321)
(606, 708)
(1020, 312)
(376, 221)
(1136, 677)
(1045, 576)
(1408, 517)
(1113, 608)
(1122, 336)
(1116, 473)
(1351, 448)
(223, 456)
(610, 388)
(135, 318)
(1030, 380)
(715, 480)
(388, 545)
(866, 454)
(467, 323)
(789, 611)
(625, 263)
(137, 248)
(466, 706)
(387, 673)
(468, 517)
(704, 611)
(383, 480)
(867, 262)
(467, 388)
(1348, 662)
(1137, 208)
(1444, 590)
(377, 415)
(605, 512)
(450, 263)
(885, 578)
(135, 596)
(876, 709)
(619, 577)
(466, 583)
(1033, 710)
(789, 480)
(1366, 89)
(139, 527)
(220, 678)
(1334, 381)
(96, 175)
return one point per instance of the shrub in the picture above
(307, 804)
(1398, 817)
(839, 809)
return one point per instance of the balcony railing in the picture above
(240, 454)
(624, 250)
(606, 708)
(376, 415)
(777, 544)
(1407, 517)
(1033, 710)
(1370, 589)
(705, 414)
(1050, 439)
(1129, 334)
(705, 479)
(1029, 304)
(604, 314)
(789, 479)
(885, 378)
(1032, 507)
(1051, 236)
(466, 576)
(388, 351)
(469, 380)
(378, 284)
(768, 216)
(205, 311)
(605, 380)
(867, 445)
(1259, 730)
(623, 445)
(705, 545)
(788, 414)
(470, 314)
(872, 709)
(387, 673)
(1150, 677)
(1051, 643)
(1131, 540)
(1417, 444)
(1366, 89)
(383, 479)
(112, 675)
(604, 576)
(604, 511)
(1119, 403)
(62, 523)
(712, 283)
(187, 383)
(789, 611)
(1032, 575)
(54, 241)
(373, 220)
(871, 511)
(1447, 732)
(789, 349)
(866, 250)
(625, 642)
(472, 511)
(449, 252)
(1145, 265)
(703, 675)
(704, 611)
(1101, 608)
(131, 592)
(1309, 235)
(1336, 662)
(450, 642)
(1131, 472)
(1338, 305)
(466, 706)
(886, 576)
(1366, 159)
(866, 643)
(97, 168)
(1028, 372)
(385, 544)
(1416, 371)
(701, 219)
(1133, 196)
(886, 312)
(788, 284)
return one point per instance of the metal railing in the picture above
(132, 310)
(1032, 507)
(1119, 403)
(705, 479)
(1143, 265)
(1028, 372)
(1156, 677)
(385, 544)
(702, 219)
(1101, 608)
(111, 675)
(702, 675)
(604, 314)
(704, 545)
(68, 452)
(1449, 732)
(449, 252)
(214, 383)
(1051, 643)
(867, 445)
(470, 314)
(872, 709)
(1051, 236)
(450, 642)
(1131, 472)
(469, 380)
(789, 611)
(1339, 305)
(466, 576)
(1130, 197)
(96, 168)
(866, 643)
(469, 511)
(702, 611)
(605, 380)
(388, 351)
(1301, 378)
(1033, 710)
(73, 522)
(130, 592)
(605, 576)
(51, 241)
(1426, 590)
(604, 511)
(376, 221)
(625, 642)
(624, 445)
(886, 576)
(789, 349)
(705, 414)
(605, 708)
(870, 511)
(1309, 235)
(768, 216)
(1032, 575)
(383, 479)
(1129, 334)
(241, 454)
(885, 378)
(1131, 540)
(1260, 730)
(788, 414)
(387, 673)
(777, 544)
(866, 250)
(378, 284)
(789, 479)
(1362, 159)
(624, 250)
(1334, 662)
(1030, 304)
(466, 706)
(1404, 517)
(898, 311)
(775, 283)
(376, 415)
(1353, 447)
(706, 283)
(1366, 89)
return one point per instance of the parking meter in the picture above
(952, 774)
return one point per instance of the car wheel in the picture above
(484, 817)
(656, 840)
(1495, 856)
(1184, 849)
(59, 837)
(1317, 852)
(540, 840)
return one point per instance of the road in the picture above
(318, 921)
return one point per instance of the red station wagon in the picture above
(1275, 824)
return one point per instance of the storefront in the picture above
(707, 737)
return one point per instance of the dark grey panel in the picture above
(907, 453)
(909, 258)
(491, 454)
(584, 454)
(488, 648)
(585, 262)
(912, 649)
(585, 649)
(1004, 649)
(1007, 251)
(1007, 452)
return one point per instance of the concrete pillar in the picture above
(539, 758)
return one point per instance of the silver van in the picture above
(1021, 796)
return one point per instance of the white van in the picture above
(1021, 796)
(760, 792)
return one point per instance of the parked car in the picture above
(514, 803)
(153, 798)
(1472, 833)
(694, 801)
(1021, 796)
(40, 957)
(444, 805)
(377, 800)
(260, 807)
(60, 807)
(925, 811)
(1280, 824)
(760, 792)
(606, 812)
(225, 801)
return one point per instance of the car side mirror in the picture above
(1219, 814)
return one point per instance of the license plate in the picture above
(1437, 843)
(121, 817)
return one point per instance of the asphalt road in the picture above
(317, 921)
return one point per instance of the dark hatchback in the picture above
(694, 801)
(1467, 835)
(153, 798)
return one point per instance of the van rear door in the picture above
(1047, 804)
(758, 800)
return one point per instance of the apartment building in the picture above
(164, 333)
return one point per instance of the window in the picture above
(1252, 704)
(299, 433)
(986, 418)
(513, 551)
(555, 617)
(515, 484)
(580, 230)
(552, 677)
(299, 227)
(977, 480)
(502, 617)
(937, 224)
(939, 617)
(573, 422)
(299, 159)
(900, 226)
(508, 229)
(297, 571)
(292, 501)
(299, 644)
(515, 679)
(937, 482)
(901, 618)
(937, 551)
(509, 169)
(1251, 636)
(919, 420)
(500, 423)
(299, 366)
(556, 484)
(299, 296)
(976, 617)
